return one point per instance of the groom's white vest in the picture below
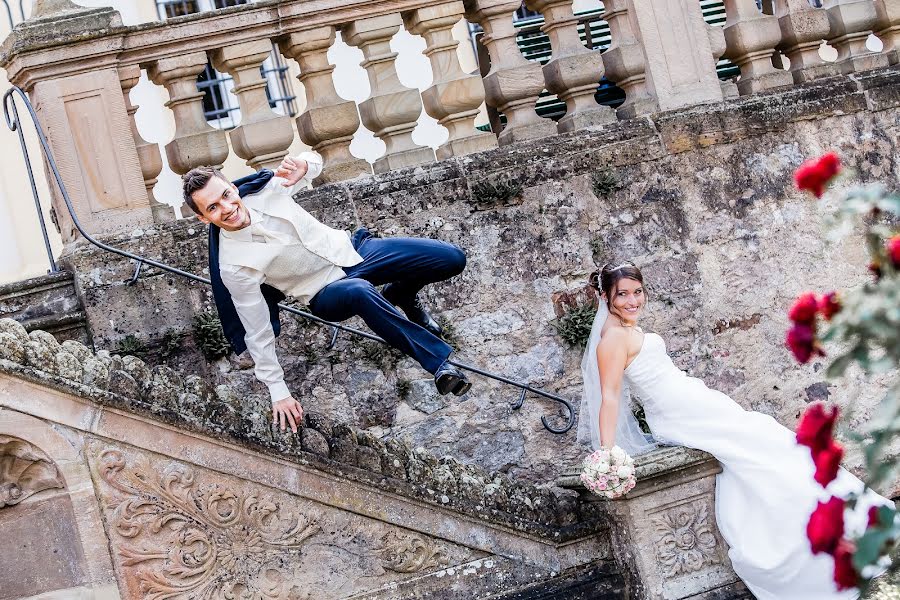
(298, 267)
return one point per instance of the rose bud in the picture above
(826, 526)
(816, 427)
(829, 305)
(828, 461)
(893, 250)
(801, 339)
(813, 175)
(804, 309)
(845, 576)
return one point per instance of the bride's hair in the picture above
(606, 279)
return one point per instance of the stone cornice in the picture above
(187, 403)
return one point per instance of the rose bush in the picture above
(863, 325)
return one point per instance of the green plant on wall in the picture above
(130, 345)
(169, 344)
(574, 327)
(604, 181)
(497, 192)
(449, 335)
(209, 336)
(404, 387)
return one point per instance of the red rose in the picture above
(801, 339)
(829, 305)
(845, 575)
(826, 526)
(828, 461)
(814, 175)
(816, 427)
(873, 517)
(893, 250)
(804, 309)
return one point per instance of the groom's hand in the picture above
(291, 170)
(287, 411)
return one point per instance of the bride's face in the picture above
(628, 299)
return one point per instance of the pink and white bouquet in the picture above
(609, 472)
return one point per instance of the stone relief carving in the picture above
(406, 553)
(187, 538)
(686, 539)
(24, 471)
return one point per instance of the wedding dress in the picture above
(765, 492)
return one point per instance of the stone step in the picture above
(50, 303)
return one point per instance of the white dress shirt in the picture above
(309, 267)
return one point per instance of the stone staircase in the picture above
(49, 302)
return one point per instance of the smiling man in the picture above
(263, 246)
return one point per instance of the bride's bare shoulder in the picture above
(613, 337)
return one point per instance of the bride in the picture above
(765, 492)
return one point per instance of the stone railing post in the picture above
(887, 28)
(803, 28)
(573, 72)
(196, 143)
(263, 137)
(852, 21)
(624, 62)
(664, 534)
(84, 113)
(750, 39)
(148, 153)
(329, 122)
(392, 110)
(679, 66)
(455, 97)
(513, 84)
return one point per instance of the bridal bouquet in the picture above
(609, 473)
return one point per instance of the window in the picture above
(523, 13)
(219, 103)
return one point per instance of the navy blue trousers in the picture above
(407, 264)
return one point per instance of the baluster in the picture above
(852, 21)
(196, 142)
(573, 72)
(263, 137)
(887, 28)
(513, 84)
(625, 64)
(329, 121)
(454, 97)
(391, 112)
(803, 28)
(717, 47)
(148, 153)
(750, 39)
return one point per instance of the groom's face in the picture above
(218, 203)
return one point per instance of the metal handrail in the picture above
(11, 115)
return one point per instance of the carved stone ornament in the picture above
(686, 540)
(186, 533)
(24, 471)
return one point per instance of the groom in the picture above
(263, 246)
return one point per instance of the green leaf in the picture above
(839, 365)
(870, 546)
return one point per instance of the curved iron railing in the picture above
(11, 114)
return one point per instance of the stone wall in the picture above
(704, 203)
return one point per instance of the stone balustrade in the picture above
(78, 65)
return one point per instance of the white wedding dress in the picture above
(765, 492)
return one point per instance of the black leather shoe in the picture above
(450, 379)
(416, 313)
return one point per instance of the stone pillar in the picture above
(148, 153)
(455, 97)
(750, 40)
(887, 28)
(513, 84)
(329, 122)
(263, 137)
(625, 63)
(803, 28)
(196, 142)
(852, 21)
(664, 534)
(679, 57)
(573, 72)
(391, 112)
